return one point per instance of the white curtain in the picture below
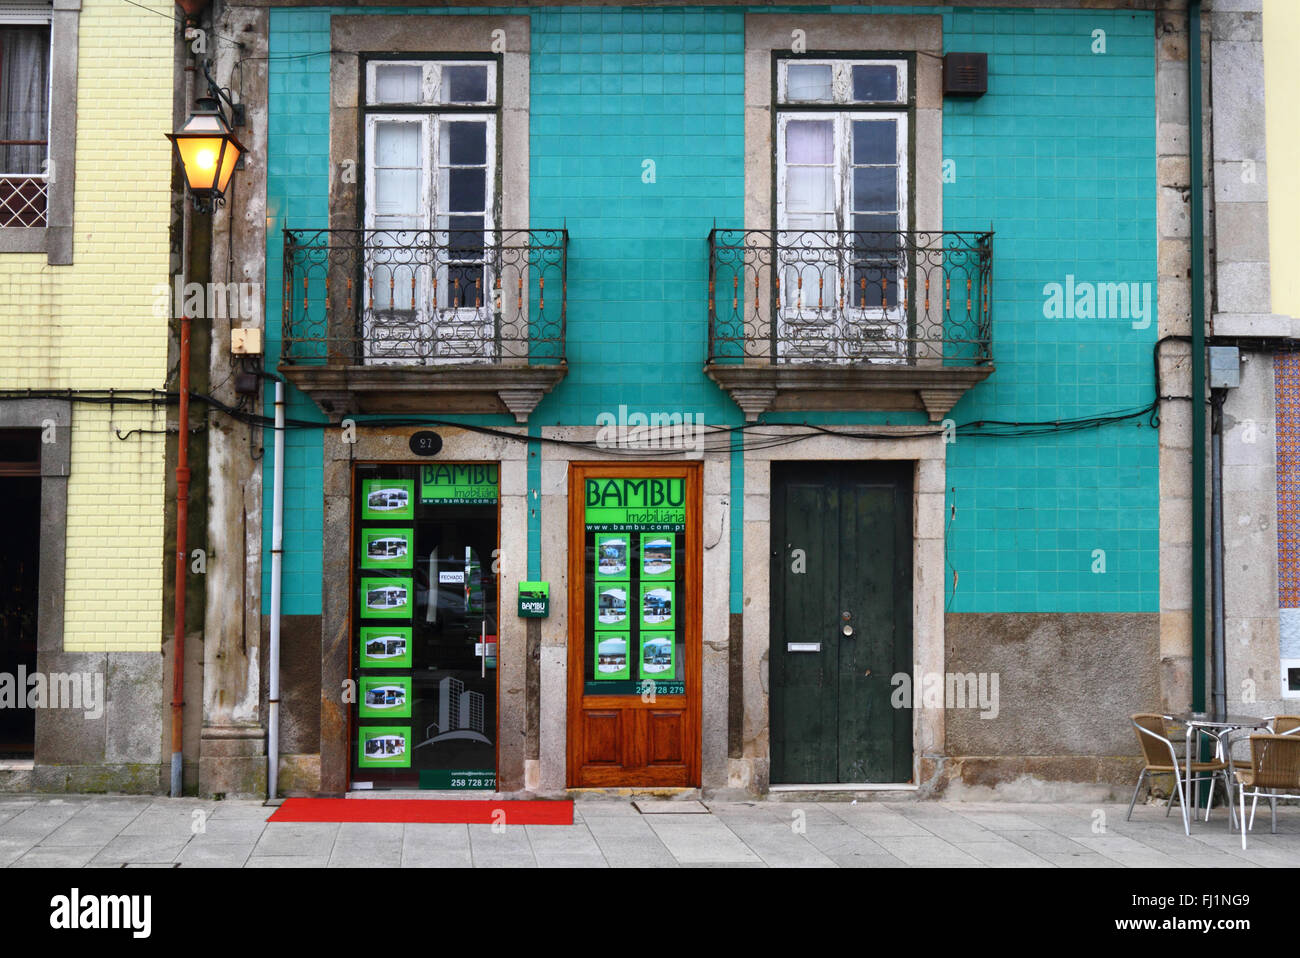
(24, 96)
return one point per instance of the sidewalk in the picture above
(112, 832)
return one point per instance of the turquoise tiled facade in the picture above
(1058, 158)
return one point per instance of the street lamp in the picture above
(208, 152)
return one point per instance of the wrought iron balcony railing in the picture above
(424, 297)
(848, 297)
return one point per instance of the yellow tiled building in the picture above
(85, 231)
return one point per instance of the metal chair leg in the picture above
(1136, 789)
(1182, 804)
(1272, 801)
(1244, 829)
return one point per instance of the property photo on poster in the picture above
(384, 746)
(385, 647)
(612, 556)
(657, 607)
(611, 656)
(657, 656)
(388, 499)
(657, 557)
(611, 607)
(386, 549)
(384, 696)
(386, 598)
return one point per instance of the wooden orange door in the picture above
(634, 624)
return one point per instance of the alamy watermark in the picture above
(241, 301)
(57, 690)
(656, 430)
(946, 690)
(1085, 300)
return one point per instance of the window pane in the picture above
(397, 83)
(808, 189)
(875, 188)
(24, 91)
(875, 84)
(397, 144)
(464, 84)
(808, 82)
(465, 144)
(467, 190)
(465, 237)
(809, 141)
(875, 141)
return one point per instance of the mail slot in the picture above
(803, 646)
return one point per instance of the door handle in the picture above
(847, 630)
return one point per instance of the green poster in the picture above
(657, 611)
(611, 607)
(459, 484)
(657, 657)
(657, 557)
(385, 696)
(611, 656)
(387, 598)
(386, 549)
(387, 498)
(384, 746)
(648, 505)
(612, 553)
(385, 647)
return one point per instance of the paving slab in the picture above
(311, 839)
(501, 846)
(61, 856)
(693, 839)
(1002, 854)
(426, 845)
(927, 851)
(203, 854)
(139, 848)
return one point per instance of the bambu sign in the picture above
(647, 505)
(459, 484)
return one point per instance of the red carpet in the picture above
(456, 811)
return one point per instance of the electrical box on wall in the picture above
(1225, 367)
(246, 342)
(965, 74)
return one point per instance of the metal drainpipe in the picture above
(1219, 699)
(182, 496)
(277, 560)
(1196, 146)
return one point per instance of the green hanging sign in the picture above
(534, 600)
(642, 504)
(459, 484)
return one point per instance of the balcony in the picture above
(424, 321)
(849, 320)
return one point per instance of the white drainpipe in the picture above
(277, 559)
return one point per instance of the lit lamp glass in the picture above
(208, 152)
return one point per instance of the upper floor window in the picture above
(842, 202)
(431, 174)
(24, 122)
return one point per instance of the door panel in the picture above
(842, 561)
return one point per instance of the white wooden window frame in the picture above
(452, 334)
(800, 308)
(431, 82)
(841, 81)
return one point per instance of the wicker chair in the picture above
(1278, 725)
(1160, 757)
(1274, 768)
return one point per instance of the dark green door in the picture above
(841, 621)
